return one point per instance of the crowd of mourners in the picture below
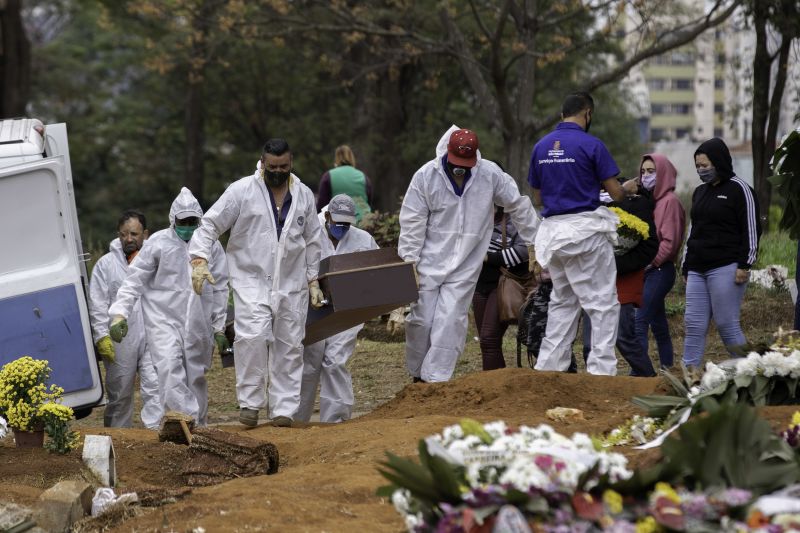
(160, 303)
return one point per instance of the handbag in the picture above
(512, 290)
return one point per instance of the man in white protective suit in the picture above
(324, 362)
(273, 252)
(446, 222)
(131, 355)
(181, 326)
(568, 168)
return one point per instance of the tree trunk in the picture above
(517, 163)
(382, 118)
(761, 81)
(15, 60)
(770, 142)
(194, 119)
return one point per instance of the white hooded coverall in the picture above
(180, 325)
(269, 277)
(324, 362)
(578, 253)
(131, 354)
(447, 236)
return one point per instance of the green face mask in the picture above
(185, 232)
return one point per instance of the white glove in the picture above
(397, 321)
(315, 294)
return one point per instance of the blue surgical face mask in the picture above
(185, 232)
(649, 181)
(338, 231)
(706, 174)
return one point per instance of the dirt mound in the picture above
(522, 396)
(327, 476)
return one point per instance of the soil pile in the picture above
(327, 477)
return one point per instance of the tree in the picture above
(15, 60)
(518, 57)
(782, 17)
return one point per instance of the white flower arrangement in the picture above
(773, 364)
(637, 430)
(525, 458)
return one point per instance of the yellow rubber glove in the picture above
(315, 294)
(106, 349)
(533, 264)
(200, 273)
(119, 328)
(397, 321)
(222, 342)
(416, 274)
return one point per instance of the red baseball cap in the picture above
(462, 150)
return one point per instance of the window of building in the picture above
(719, 108)
(656, 84)
(681, 109)
(717, 132)
(719, 83)
(681, 57)
(682, 84)
(680, 133)
(720, 58)
(658, 109)
(658, 134)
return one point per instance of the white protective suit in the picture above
(447, 236)
(324, 362)
(577, 249)
(269, 277)
(131, 355)
(180, 325)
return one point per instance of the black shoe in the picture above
(418, 380)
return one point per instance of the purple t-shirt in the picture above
(567, 166)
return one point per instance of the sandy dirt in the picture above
(328, 477)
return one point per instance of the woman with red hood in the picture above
(658, 175)
(721, 247)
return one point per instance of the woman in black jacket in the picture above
(512, 255)
(722, 246)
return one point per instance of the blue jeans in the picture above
(627, 343)
(653, 315)
(712, 294)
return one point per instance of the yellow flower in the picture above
(631, 225)
(664, 489)
(613, 501)
(61, 412)
(647, 525)
(795, 419)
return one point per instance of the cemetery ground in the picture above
(327, 476)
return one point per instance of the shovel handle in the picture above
(186, 432)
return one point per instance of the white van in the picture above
(43, 281)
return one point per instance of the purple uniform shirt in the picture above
(567, 166)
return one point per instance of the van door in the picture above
(43, 311)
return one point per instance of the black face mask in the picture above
(275, 179)
(588, 123)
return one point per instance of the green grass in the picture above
(776, 248)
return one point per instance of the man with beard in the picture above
(182, 327)
(273, 252)
(132, 354)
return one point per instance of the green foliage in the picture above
(785, 165)
(384, 228)
(729, 446)
(433, 481)
(60, 439)
(777, 248)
